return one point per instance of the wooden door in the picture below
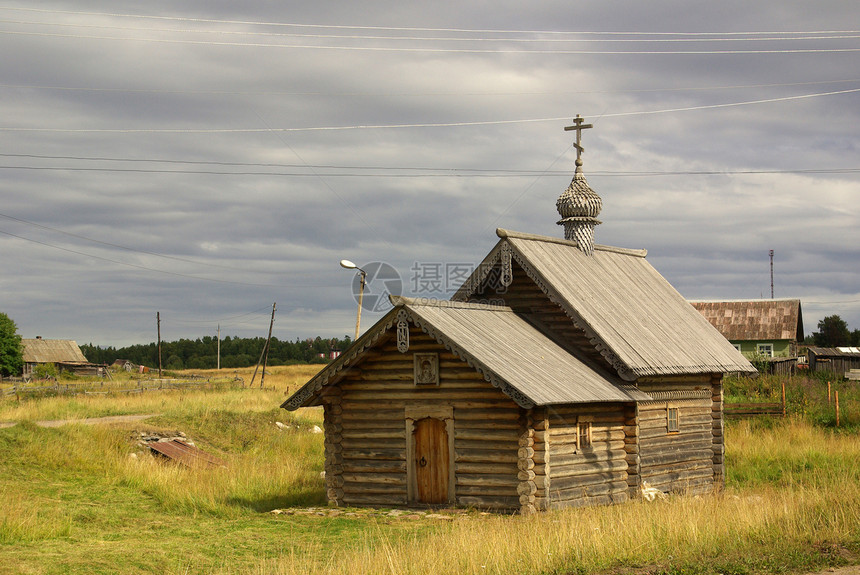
(430, 441)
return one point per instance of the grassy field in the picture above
(86, 499)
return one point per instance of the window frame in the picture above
(583, 431)
(673, 424)
(764, 349)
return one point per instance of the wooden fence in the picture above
(776, 408)
(140, 386)
(753, 409)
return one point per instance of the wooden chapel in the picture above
(562, 373)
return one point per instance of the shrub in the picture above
(11, 352)
(46, 371)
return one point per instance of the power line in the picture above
(411, 29)
(227, 319)
(427, 173)
(80, 237)
(437, 50)
(413, 125)
(419, 94)
(590, 39)
(149, 269)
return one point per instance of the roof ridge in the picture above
(754, 300)
(397, 300)
(504, 234)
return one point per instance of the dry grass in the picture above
(734, 532)
(73, 499)
(279, 383)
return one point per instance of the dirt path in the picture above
(88, 421)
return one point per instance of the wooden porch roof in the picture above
(512, 355)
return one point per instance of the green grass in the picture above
(73, 499)
(806, 396)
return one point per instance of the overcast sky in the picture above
(207, 159)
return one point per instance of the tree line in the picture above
(833, 332)
(202, 353)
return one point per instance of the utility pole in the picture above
(268, 340)
(219, 345)
(158, 321)
(265, 352)
(771, 274)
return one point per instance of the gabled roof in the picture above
(512, 354)
(754, 320)
(52, 351)
(639, 323)
(835, 351)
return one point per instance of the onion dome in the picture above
(579, 205)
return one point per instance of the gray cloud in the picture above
(227, 222)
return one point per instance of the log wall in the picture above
(333, 427)
(366, 455)
(690, 459)
(718, 427)
(592, 475)
(505, 457)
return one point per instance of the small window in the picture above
(765, 349)
(583, 438)
(737, 346)
(672, 423)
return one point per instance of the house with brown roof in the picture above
(770, 328)
(562, 373)
(64, 353)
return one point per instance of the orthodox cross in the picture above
(579, 127)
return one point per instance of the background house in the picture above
(64, 353)
(838, 360)
(124, 365)
(768, 328)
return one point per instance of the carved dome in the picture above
(579, 207)
(579, 200)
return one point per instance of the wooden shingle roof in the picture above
(754, 320)
(496, 340)
(637, 321)
(512, 354)
(52, 351)
(633, 316)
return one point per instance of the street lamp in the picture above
(351, 266)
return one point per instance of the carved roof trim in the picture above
(398, 300)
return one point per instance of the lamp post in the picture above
(351, 266)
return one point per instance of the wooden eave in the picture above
(507, 350)
(515, 356)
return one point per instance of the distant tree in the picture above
(11, 351)
(832, 332)
(200, 353)
(855, 338)
(174, 362)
